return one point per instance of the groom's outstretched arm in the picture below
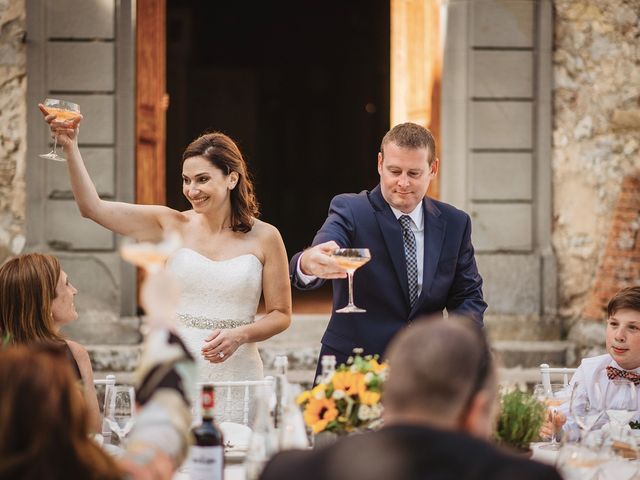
(310, 268)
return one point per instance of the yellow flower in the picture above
(377, 367)
(303, 397)
(349, 382)
(319, 412)
(318, 390)
(368, 398)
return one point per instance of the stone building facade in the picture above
(13, 126)
(596, 139)
(539, 234)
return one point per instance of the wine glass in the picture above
(150, 255)
(351, 259)
(586, 410)
(553, 395)
(578, 462)
(64, 111)
(120, 410)
(621, 402)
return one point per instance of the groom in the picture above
(422, 259)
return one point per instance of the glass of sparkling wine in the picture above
(119, 411)
(150, 255)
(351, 259)
(64, 112)
(554, 396)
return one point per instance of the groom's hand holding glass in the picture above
(318, 262)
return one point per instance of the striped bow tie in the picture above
(613, 373)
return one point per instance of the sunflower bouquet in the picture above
(349, 400)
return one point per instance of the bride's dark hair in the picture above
(223, 153)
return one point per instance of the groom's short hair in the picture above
(437, 366)
(411, 136)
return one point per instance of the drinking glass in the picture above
(553, 395)
(64, 111)
(351, 259)
(585, 410)
(150, 255)
(578, 462)
(621, 402)
(120, 410)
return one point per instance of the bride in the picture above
(229, 257)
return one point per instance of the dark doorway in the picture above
(303, 87)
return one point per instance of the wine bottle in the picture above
(206, 457)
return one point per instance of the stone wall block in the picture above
(91, 19)
(502, 74)
(501, 176)
(65, 229)
(81, 66)
(511, 283)
(503, 23)
(501, 125)
(502, 227)
(100, 163)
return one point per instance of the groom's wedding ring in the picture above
(221, 354)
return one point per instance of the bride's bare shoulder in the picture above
(264, 230)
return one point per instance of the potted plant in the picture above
(520, 420)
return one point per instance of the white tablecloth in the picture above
(231, 472)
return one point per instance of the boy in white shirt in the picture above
(621, 361)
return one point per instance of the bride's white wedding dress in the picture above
(218, 294)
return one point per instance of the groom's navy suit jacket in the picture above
(450, 275)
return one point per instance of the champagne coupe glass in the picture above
(351, 259)
(553, 395)
(65, 112)
(120, 410)
(621, 402)
(585, 410)
(150, 255)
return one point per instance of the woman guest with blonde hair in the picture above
(36, 300)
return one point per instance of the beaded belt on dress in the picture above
(203, 322)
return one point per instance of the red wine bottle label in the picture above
(206, 463)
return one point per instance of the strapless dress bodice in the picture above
(217, 293)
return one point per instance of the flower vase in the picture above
(325, 439)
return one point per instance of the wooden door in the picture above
(416, 66)
(151, 101)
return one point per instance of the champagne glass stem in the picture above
(55, 144)
(350, 275)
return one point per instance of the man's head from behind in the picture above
(623, 328)
(441, 376)
(406, 163)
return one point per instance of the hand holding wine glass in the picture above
(553, 395)
(63, 117)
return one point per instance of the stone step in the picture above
(118, 358)
(530, 354)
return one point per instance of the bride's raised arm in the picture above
(140, 221)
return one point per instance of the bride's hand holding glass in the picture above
(64, 131)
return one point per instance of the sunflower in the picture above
(319, 412)
(349, 382)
